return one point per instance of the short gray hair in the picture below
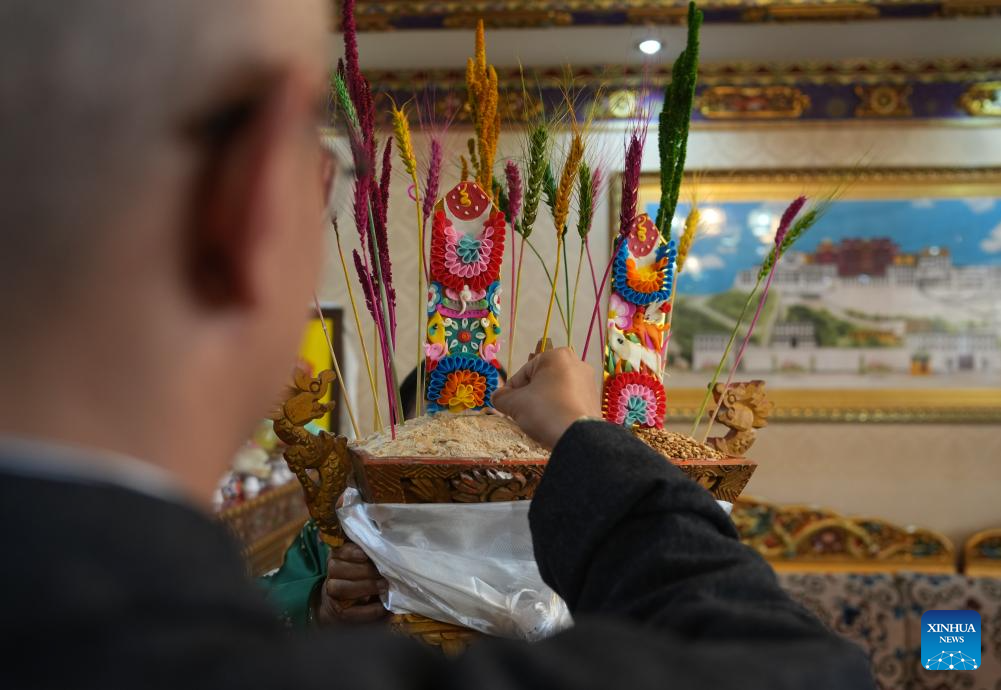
(89, 92)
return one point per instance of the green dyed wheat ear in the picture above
(344, 100)
(536, 178)
(675, 116)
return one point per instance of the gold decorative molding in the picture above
(749, 93)
(738, 73)
(982, 100)
(982, 554)
(884, 100)
(778, 184)
(660, 13)
(515, 19)
(970, 8)
(860, 405)
(752, 102)
(376, 15)
(799, 12)
(807, 538)
(849, 72)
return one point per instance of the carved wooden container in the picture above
(265, 525)
(422, 479)
(419, 479)
(724, 479)
(323, 463)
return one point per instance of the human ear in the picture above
(247, 152)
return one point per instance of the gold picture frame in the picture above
(894, 403)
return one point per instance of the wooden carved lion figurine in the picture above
(743, 408)
(319, 461)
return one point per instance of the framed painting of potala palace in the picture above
(888, 309)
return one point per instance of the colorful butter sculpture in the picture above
(467, 246)
(642, 280)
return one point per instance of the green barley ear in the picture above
(798, 229)
(343, 100)
(675, 117)
(536, 177)
(585, 211)
(549, 188)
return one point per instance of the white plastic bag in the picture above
(470, 564)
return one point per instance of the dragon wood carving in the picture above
(319, 461)
(743, 408)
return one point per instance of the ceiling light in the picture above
(651, 46)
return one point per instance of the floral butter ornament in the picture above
(460, 383)
(464, 300)
(638, 327)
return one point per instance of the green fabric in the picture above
(291, 587)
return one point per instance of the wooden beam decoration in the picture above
(642, 280)
(464, 298)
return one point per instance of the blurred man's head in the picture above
(161, 209)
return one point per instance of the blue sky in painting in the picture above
(970, 228)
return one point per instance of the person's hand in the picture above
(550, 393)
(350, 594)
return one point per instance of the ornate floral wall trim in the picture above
(752, 103)
(884, 100)
(810, 91)
(386, 15)
(983, 99)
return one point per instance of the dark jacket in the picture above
(107, 588)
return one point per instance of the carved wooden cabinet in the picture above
(266, 525)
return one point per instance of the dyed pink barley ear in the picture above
(597, 177)
(630, 183)
(350, 30)
(433, 179)
(787, 218)
(514, 189)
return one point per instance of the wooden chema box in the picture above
(324, 462)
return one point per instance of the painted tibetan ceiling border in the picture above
(385, 15)
(961, 90)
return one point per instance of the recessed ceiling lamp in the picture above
(650, 46)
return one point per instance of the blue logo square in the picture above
(950, 640)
